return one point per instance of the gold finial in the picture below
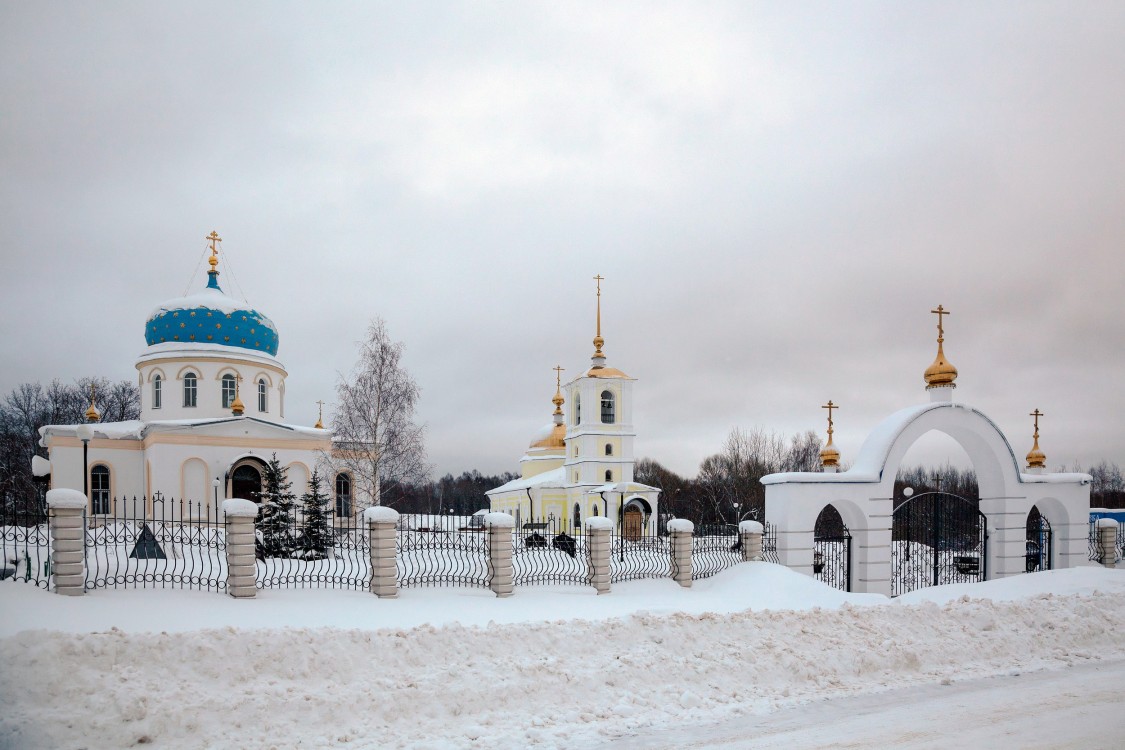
(320, 415)
(940, 373)
(829, 456)
(236, 406)
(1036, 459)
(92, 413)
(214, 239)
(598, 340)
(558, 400)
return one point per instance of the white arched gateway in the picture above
(864, 495)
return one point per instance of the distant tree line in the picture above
(33, 405)
(462, 495)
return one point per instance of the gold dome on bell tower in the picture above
(829, 456)
(941, 373)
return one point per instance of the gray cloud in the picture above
(777, 194)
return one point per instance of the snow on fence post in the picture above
(1107, 541)
(381, 524)
(681, 531)
(500, 527)
(750, 533)
(68, 538)
(241, 563)
(598, 529)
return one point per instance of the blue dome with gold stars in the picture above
(211, 317)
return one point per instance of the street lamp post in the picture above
(215, 484)
(85, 434)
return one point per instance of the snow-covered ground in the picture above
(756, 656)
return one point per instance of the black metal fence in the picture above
(832, 559)
(637, 554)
(937, 538)
(312, 551)
(544, 553)
(1094, 547)
(769, 544)
(156, 543)
(1039, 543)
(25, 544)
(441, 551)
(715, 547)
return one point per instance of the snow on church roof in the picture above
(135, 429)
(552, 478)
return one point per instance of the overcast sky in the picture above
(777, 195)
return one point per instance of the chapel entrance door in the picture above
(632, 523)
(246, 483)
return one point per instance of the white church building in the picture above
(581, 463)
(212, 414)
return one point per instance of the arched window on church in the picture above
(157, 382)
(99, 489)
(343, 495)
(577, 408)
(594, 511)
(228, 390)
(262, 392)
(609, 475)
(191, 389)
(608, 415)
(608, 449)
(577, 516)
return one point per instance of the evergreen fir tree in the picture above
(316, 534)
(274, 523)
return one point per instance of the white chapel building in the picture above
(212, 414)
(581, 463)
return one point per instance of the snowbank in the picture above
(250, 684)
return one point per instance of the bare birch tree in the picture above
(375, 437)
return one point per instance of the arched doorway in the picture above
(1038, 546)
(246, 482)
(936, 538)
(832, 550)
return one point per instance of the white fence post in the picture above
(751, 536)
(68, 538)
(597, 543)
(241, 563)
(1107, 541)
(381, 523)
(681, 531)
(500, 527)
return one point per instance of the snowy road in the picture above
(1079, 707)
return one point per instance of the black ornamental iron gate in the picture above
(1040, 548)
(832, 553)
(937, 538)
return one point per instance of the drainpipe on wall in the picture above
(530, 505)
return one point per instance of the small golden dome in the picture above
(829, 456)
(940, 372)
(606, 372)
(1036, 459)
(551, 436)
(92, 413)
(237, 407)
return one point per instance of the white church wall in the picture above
(209, 371)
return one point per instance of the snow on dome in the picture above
(551, 435)
(210, 316)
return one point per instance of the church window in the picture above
(157, 382)
(594, 511)
(577, 516)
(577, 408)
(343, 495)
(99, 489)
(191, 389)
(262, 392)
(608, 449)
(608, 416)
(228, 390)
(609, 475)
